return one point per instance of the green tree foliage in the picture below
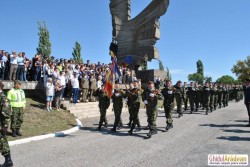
(77, 53)
(208, 79)
(199, 75)
(200, 68)
(161, 67)
(226, 79)
(168, 74)
(242, 69)
(196, 78)
(44, 45)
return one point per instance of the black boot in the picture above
(18, 132)
(13, 133)
(129, 124)
(8, 162)
(113, 129)
(99, 127)
(131, 130)
(206, 112)
(120, 126)
(106, 125)
(169, 126)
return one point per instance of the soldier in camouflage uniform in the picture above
(197, 96)
(179, 96)
(212, 97)
(130, 103)
(92, 87)
(224, 95)
(191, 93)
(135, 96)
(236, 93)
(185, 97)
(4, 120)
(117, 99)
(206, 97)
(220, 94)
(215, 92)
(104, 103)
(168, 94)
(150, 98)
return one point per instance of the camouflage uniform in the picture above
(5, 116)
(135, 98)
(92, 88)
(198, 99)
(206, 98)
(179, 96)
(104, 103)
(212, 97)
(215, 91)
(220, 96)
(130, 103)
(168, 94)
(192, 96)
(185, 97)
(152, 98)
(224, 96)
(85, 89)
(117, 99)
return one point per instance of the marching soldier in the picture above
(17, 101)
(104, 103)
(5, 116)
(220, 95)
(212, 96)
(206, 97)
(117, 99)
(150, 99)
(185, 97)
(135, 97)
(168, 94)
(215, 92)
(179, 96)
(191, 92)
(197, 96)
(130, 103)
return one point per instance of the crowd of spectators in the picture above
(63, 78)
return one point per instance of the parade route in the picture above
(193, 137)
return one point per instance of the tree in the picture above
(208, 79)
(226, 79)
(161, 67)
(44, 45)
(77, 53)
(242, 69)
(196, 78)
(199, 75)
(200, 68)
(168, 74)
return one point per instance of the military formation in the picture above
(190, 97)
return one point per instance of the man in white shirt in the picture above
(13, 66)
(75, 86)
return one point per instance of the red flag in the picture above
(108, 87)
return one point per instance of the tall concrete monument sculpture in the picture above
(136, 37)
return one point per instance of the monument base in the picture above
(148, 75)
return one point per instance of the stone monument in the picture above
(136, 37)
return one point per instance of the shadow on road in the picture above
(223, 125)
(234, 138)
(242, 121)
(235, 131)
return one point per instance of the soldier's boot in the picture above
(129, 124)
(99, 127)
(106, 125)
(191, 111)
(214, 108)
(131, 130)
(206, 112)
(169, 126)
(180, 115)
(196, 110)
(120, 126)
(14, 133)
(18, 132)
(8, 162)
(113, 129)
(211, 109)
(151, 132)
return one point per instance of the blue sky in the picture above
(214, 31)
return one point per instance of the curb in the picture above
(41, 137)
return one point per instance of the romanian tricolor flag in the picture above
(108, 87)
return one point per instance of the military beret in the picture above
(179, 81)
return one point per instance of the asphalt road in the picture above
(193, 137)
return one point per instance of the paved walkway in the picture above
(187, 144)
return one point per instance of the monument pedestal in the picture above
(148, 75)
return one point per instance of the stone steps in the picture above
(87, 110)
